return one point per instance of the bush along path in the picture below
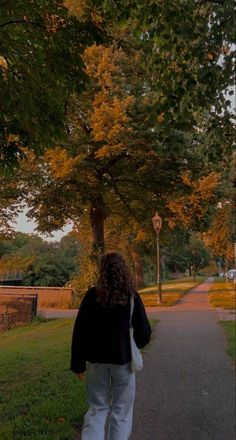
(186, 389)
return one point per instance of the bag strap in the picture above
(131, 309)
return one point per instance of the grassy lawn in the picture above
(230, 329)
(40, 398)
(222, 295)
(172, 291)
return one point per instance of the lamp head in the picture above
(157, 222)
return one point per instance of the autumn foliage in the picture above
(121, 112)
(190, 209)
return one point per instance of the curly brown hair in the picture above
(114, 285)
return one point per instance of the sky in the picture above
(23, 224)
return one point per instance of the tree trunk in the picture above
(190, 269)
(97, 217)
(138, 270)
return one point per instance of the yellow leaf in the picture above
(160, 118)
(3, 63)
(211, 56)
(108, 150)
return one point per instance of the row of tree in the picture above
(122, 110)
(36, 262)
(39, 262)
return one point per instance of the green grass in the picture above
(222, 295)
(40, 398)
(230, 329)
(172, 291)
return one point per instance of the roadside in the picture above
(225, 315)
(230, 329)
(222, 297)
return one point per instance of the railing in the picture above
(11, 276)
(17, 309)
(59, 297)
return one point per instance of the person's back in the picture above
(101, 344)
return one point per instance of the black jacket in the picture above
(101, 333)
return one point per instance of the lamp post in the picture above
(194, 265)
(157, 224)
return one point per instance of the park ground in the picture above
(40, 398)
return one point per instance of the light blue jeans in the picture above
(110, 391)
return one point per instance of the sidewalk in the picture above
(186, 389)
(51, 313)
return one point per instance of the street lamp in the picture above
(157, 224)
(194, 264)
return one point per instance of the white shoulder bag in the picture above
(136, 357)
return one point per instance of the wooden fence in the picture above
(48, 297)
(16, 309)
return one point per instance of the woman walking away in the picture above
(101, 345)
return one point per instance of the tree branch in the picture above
(225, 21)
(217, 2)
(25, 20)
(122, 198)
(83, 124)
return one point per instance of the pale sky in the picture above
(23, 224)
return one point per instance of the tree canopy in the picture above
(142, 120)
(40, 66)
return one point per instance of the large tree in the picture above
(220, 236)
(138, 127)
(114, 155)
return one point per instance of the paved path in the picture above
(186, 389)
(57, 313)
